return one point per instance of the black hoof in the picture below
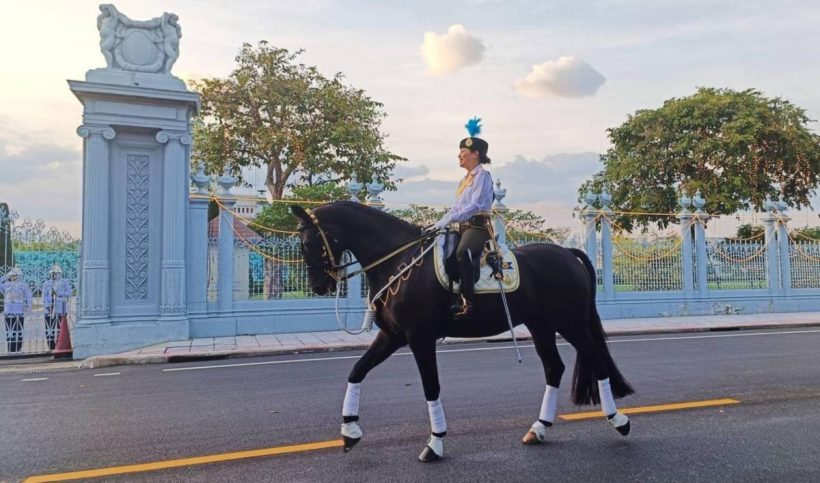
(428, 455)
(624, 430)
(350, 443)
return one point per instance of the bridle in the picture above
(335, 271)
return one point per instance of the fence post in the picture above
(700, 243)
(224, 271)
(590, 215)
(783, 245)
(354, 285)
(197, 253)
(772, 266)
(606, 244)
(685, 217)
(500, 209)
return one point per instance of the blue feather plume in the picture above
(474, 126)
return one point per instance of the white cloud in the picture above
(445, 53)
(565, 77)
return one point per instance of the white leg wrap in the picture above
(436, 444)
(352, 430)
(607, 401)
(437, 422)
(549, 404)
(539, 430)
(618, 420)
(351, 404)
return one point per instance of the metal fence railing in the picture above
(804, 257)
(736, 264)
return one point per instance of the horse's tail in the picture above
(584, 380)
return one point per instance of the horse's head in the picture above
(322, 250)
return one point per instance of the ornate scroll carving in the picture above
(165, 136)
(136, 228)
(106, 132)
(138, 45)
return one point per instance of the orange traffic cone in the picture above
(63, 349)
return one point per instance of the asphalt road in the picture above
(79, 420)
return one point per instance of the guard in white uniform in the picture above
(17, 303)
(56, 292)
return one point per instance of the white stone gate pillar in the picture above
(174, 200)
(136, 125)
(95, 303)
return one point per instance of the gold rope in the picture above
(253, 247)
(799, 249)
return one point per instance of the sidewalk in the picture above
(307, 342)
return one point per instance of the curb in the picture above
(97, 362)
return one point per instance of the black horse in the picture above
(556, 295)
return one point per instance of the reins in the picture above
(334, 269)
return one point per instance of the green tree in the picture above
(747, 231)
(734, 146)
(275, 113)
(277, 216)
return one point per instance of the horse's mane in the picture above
(382, 218)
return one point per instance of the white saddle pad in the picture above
(486, 282)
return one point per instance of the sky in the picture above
(547, 77)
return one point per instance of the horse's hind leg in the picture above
(544, 340)
(424, 351)
(593, 362)
(382, 347)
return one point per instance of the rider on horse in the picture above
(474, 198)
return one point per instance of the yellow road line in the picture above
(161, 465)
(652, 409)
(336, 443)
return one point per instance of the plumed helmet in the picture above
(56, 269)
(473, 142)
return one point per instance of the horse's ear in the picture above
(300, 213)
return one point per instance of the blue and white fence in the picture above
(266, 289)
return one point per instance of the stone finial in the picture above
(226, 181)
(781, 205)
(499, 193)
(698, 202)
(768, 204)
(200, 179)
(605, 198)
(374, 188)
(354, 187)
(590, 197)
(685, 202)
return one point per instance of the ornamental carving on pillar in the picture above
(163, 137)
(106, 132)
(136, 229)
(150, 46)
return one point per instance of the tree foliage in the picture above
(303, 128)
(747, 231)
(737, 147)
(277, 215)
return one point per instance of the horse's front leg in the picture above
(382, 347)
(424, 351)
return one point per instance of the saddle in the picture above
(447, 267)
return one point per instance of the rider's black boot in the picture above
(467, 285)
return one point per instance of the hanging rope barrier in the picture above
(799, 249)
(253, 247)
